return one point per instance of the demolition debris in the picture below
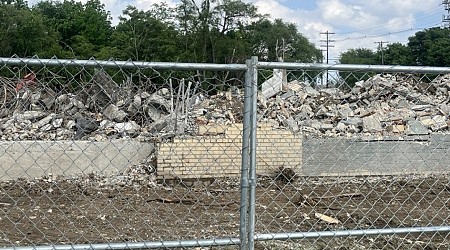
(99, 110)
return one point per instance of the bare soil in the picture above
(86, 210)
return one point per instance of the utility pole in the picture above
(327, 44)
(380, 45)
(446, 17)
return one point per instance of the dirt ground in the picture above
(92, 209)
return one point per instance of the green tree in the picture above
(140, 36)
(18, 4)
(272, 40)
(357, 56)
(431, 47)
(83, 28)
(398, 54)
(212, 30)
(23, 32)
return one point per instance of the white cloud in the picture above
(342, 14)
(147, 4)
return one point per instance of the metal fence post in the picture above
(252, 177)
(245, 157)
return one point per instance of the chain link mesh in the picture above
(118, 154)
(366, 150)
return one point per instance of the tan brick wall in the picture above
(219, 155)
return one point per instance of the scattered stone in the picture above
(287, 95)
(84, 126)
(57, 123)
(372, 124)
(440, 123)
(345, 111)
(427, 121)
(311, 91)
(4, 113)
(416, 128)
(112, 112)
(31, 115)
(353, 129)
(420, 107)
(156, 107)
(158, 126)
(127, 127)
(341, 127)
(355, 121)
(46, 127)
(398, 129)
(291, 124)
(330, 92)
(44, 121)
(326, 126)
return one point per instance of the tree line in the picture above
(429, 47)
(212, 31)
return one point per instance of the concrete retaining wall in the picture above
(38, 158)
(358, 157)
(218, 154)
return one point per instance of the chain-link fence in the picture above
(364, 152)
(108, 153)
(132, 155)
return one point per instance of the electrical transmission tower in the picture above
(446, 17)
(327, 44)
(380, 46)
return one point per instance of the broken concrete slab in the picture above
(273, 85)
(127, 127)
(113, 113)
(416, 128)
(398, 129)
(372, 124)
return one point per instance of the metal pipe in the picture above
(134, 245)
(350, 233)
(119, 64)
(221, 67)
(245, 159)
(353, 67)
(252, 178)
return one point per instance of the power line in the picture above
(387, 33)
(427, 15)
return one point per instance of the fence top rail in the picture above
(353, 67)
(119, 64)
(92, 63)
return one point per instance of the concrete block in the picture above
(216, 129)
(32, 159)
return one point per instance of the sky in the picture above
(355, 23)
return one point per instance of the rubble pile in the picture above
(98, 110)
(102, 110)
(382, 105)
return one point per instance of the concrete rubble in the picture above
(383, 105)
